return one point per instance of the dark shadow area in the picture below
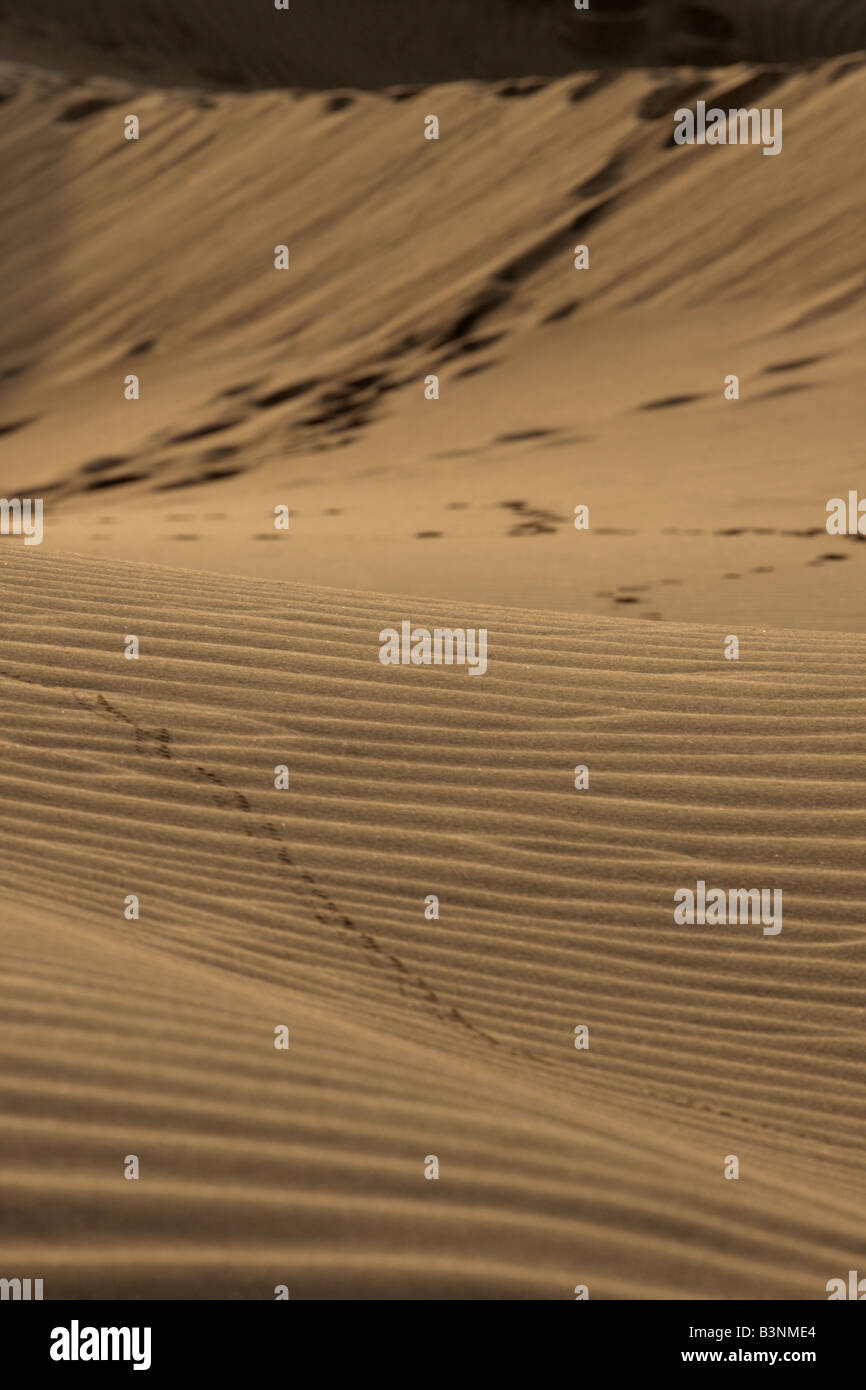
(327, 44)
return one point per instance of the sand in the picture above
(305, 908)
(558, 387)
(409, 1037)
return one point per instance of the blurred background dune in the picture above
(559, 387)
(336, 43)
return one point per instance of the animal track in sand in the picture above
(209, 475)
(522, 435)
(90, 106)
(241, 390)
(791, 389)
(563, 312)
(796, 365)
(669, 402)
(663, 101)
(474, 369)
(220, 452)
(592, 86)
(282, 393)
(202, 432)
(403, 93)
(96, 484)
(522, 87)
(160, 744)
(102, 465)
(533, 521)
(470, 345)
(605, 178)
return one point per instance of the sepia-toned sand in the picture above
(558, 387)
(408, 1037)
(305, 907)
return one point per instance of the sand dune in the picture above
(558, 387)
(409, 1037)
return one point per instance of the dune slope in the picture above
(558, 387)
(412, 1037)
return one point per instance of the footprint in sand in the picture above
(522, 87)
(669, 402)
(563, 312)
(98, 483)
(202, 432)
(796, 365)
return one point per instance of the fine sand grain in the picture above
(409, 1037)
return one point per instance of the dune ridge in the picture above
(411, 1037)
